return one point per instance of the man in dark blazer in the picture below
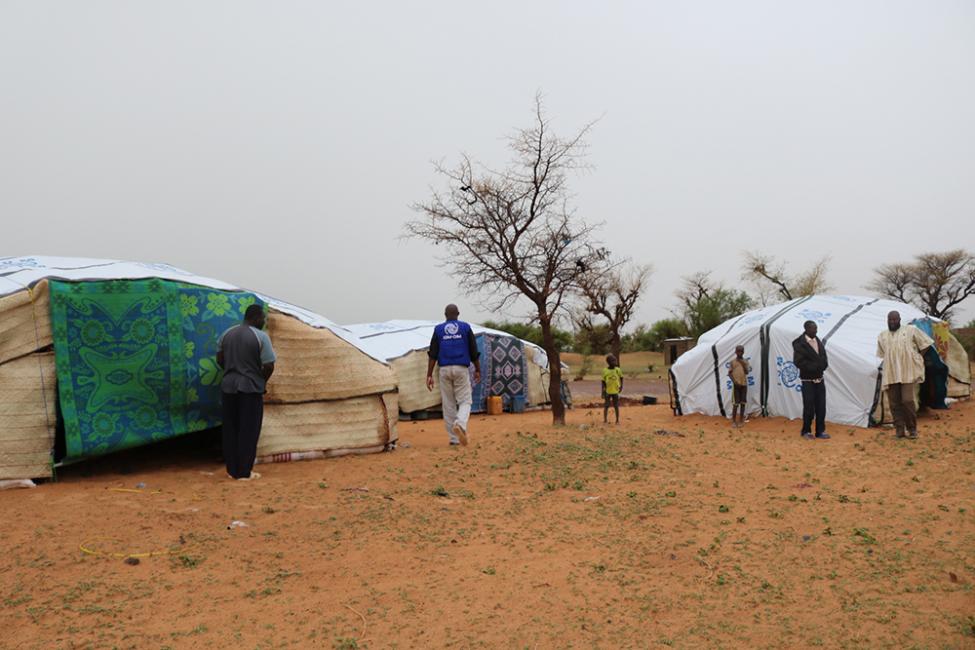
(809, 355)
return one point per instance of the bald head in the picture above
(254, 316)
(893, 321)
(810, 328)
(451, 312)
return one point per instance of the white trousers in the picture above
(455, 396)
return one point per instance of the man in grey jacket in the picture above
(244, 352)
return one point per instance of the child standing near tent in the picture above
(612, 387)
(738, 371)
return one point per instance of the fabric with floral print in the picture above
(135, 360)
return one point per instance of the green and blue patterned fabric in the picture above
(136, 360)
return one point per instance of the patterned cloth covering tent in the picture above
(848, 325)
(121, 354)
(509, 366)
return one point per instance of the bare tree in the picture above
(613, 294)
(510, 233)
(935, 283)
(771, 278)
(705, 304)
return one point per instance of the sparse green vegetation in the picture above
(600, 531)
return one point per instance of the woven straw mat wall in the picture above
(411, 375)
(315, 364)
(343, 424)
(27, 414)
(959, 370)
(537, 385)
(25, 327)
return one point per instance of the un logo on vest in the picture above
(451, 328)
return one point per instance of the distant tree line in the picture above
(933, 282)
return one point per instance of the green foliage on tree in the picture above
(705, 304)
(532, 333)
(651, 338)
(590, 338)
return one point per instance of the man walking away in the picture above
(902, 350)
(809, 355)
(244, 352)
(454, 348)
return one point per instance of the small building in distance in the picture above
(673, 348)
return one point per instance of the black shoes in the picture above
(823, 436)
(807, 436)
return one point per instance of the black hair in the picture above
(253, 311)
(808, 323)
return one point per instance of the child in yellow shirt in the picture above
(612, 387)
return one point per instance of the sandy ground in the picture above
(663, 532)
(588, 390)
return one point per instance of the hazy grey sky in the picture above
(278, 145)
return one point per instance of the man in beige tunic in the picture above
(902, 350)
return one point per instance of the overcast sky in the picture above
(278, 145)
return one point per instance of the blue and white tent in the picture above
(848, 326)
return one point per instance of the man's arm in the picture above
(922, 340)
(220, 349)
(822, 346)
(432, 355)
(430, 364)
(268, 356)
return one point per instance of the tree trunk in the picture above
(554, 371)
(616, 345)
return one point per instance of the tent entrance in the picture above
(934, 388)
(199, 450)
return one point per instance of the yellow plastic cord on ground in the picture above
(87, 547)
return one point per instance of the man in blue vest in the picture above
(454, 348)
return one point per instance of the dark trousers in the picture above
(813, 404)
(901, 398)
(614, 401)
(243, 414)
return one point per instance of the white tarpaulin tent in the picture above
(848, 326)
(394, 338)
(403, 343)
(19, 273)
